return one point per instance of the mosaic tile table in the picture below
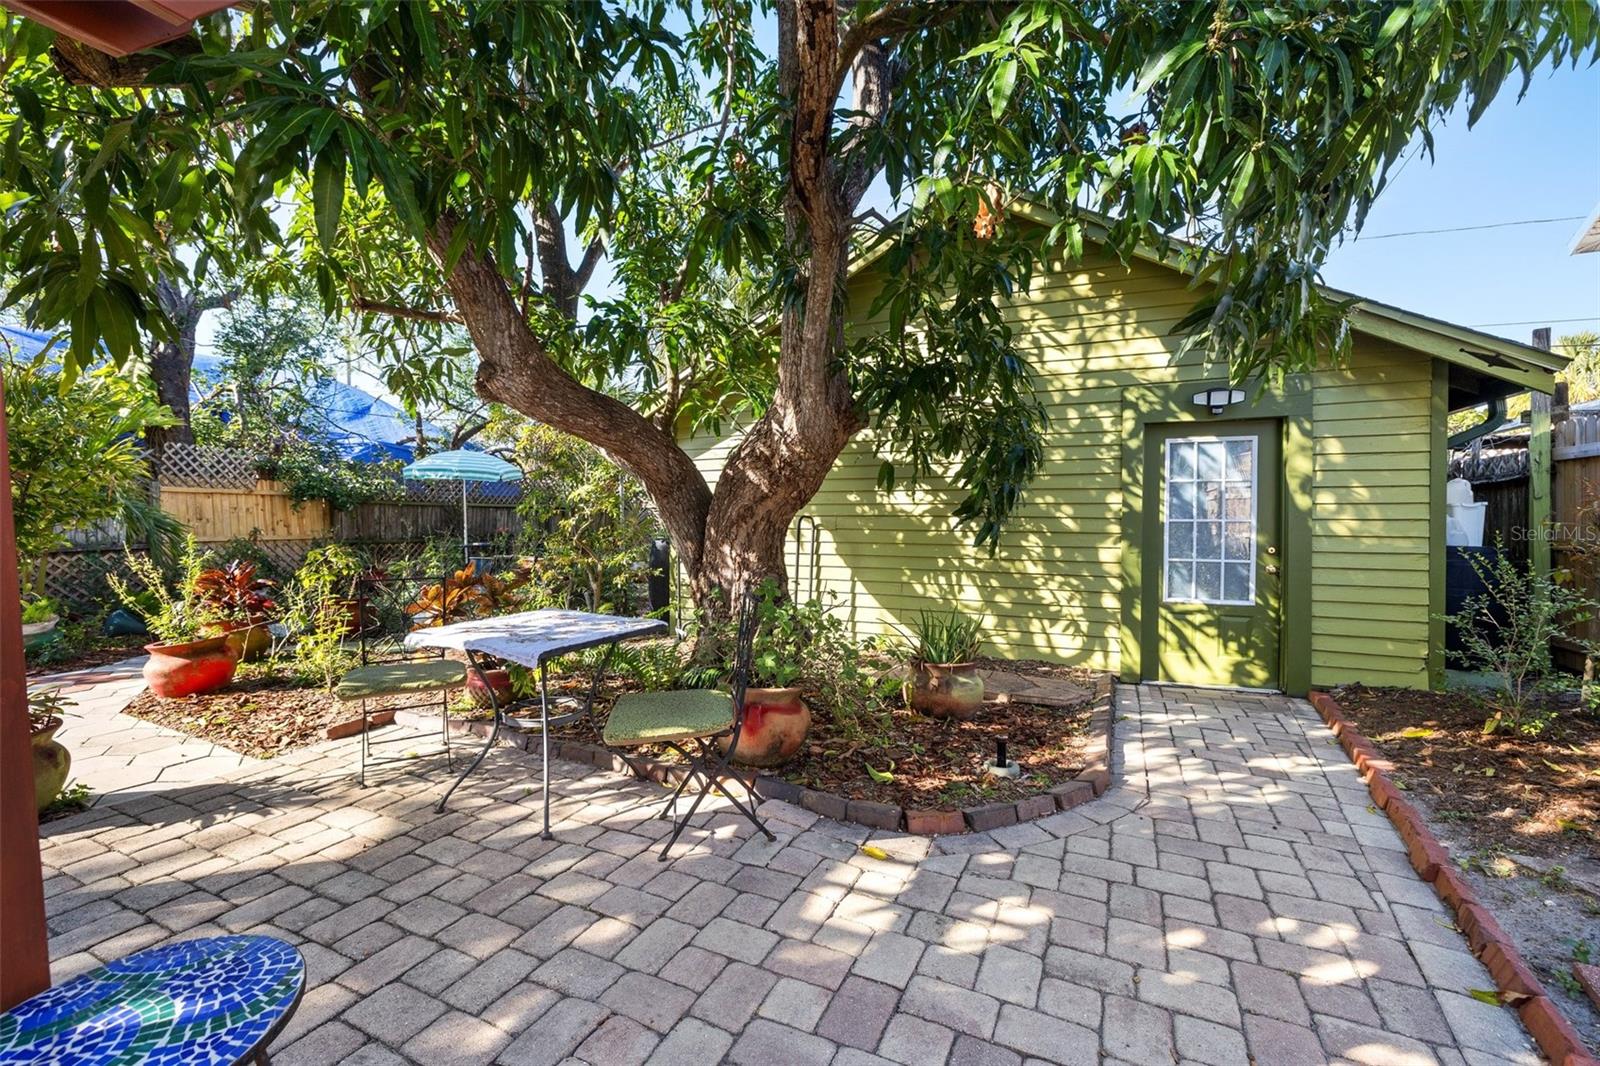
(215, 1000)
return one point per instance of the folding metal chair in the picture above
(700, 717)
(388, 668)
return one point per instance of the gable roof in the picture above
(1484, 354)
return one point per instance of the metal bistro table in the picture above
(532, 639)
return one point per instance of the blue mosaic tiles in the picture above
(209, 1002)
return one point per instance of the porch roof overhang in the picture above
(118, 27)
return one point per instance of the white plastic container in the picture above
(1457, 490)
(1468, 518)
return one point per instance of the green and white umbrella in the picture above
(464, 466)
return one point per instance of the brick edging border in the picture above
(1518, 986)
(1087, 784)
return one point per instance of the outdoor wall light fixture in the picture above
(1218, 399)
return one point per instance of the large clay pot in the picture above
(945, 690)
(776, 721)
(360, 615)
(189, 669)
(51, 763)
(499, 681)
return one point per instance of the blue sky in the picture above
(1537, 159)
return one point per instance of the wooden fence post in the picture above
(25, 961)
(1539, 470)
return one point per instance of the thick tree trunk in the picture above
(172, 363)
(171, 367)
(732, 540)
(515, 369)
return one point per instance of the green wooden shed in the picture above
(1294, 538)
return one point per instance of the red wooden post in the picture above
(25, 960)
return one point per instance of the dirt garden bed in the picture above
(1520, 816)
(922, 774)
(258, 715)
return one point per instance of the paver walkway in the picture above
(1232, 897)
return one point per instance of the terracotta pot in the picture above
(776, 721)
(51, 763)
(190, 668)
(499, 681)
(248, 641)
(358, 615)
(945, 690)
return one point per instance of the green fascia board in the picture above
(1522, 364)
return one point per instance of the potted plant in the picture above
(776, 718)
(189, 656)
(334, 572)
(944, 681)
(242, 604)
(39, 618)
(51, 761)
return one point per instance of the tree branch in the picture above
(585, 270)
(419, 314)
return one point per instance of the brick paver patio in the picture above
(1233, 897)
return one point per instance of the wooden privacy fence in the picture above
(217, 495)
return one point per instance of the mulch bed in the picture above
(1520, 817)
(1504, 792)
(934, 762)
(257, 715)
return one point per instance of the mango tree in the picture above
(474, 163)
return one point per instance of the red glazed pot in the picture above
(189, 669)
(499, 681)
(776, 721)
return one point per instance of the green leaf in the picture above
(882, 777)
(1001, 86)
(327, 194)
(1484, 995)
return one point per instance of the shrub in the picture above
(1506, 631)
(175, 612)
(944, 637)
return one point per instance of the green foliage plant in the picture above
(944, 638)
(47, 707)
(172, 609)
(40, 609)
(75, 454)
(1506, 632)
(591, 522)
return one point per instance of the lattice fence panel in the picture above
(207, 466)
(77, 580)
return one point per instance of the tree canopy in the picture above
(435, 164)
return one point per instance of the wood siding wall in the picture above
(1052, 589)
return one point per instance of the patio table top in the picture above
(530, 638)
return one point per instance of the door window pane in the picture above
(1209, 497)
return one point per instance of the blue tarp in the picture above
(356, 424)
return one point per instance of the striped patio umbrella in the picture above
(464, 466)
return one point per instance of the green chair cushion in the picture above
(392, 679)
(657, 717)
